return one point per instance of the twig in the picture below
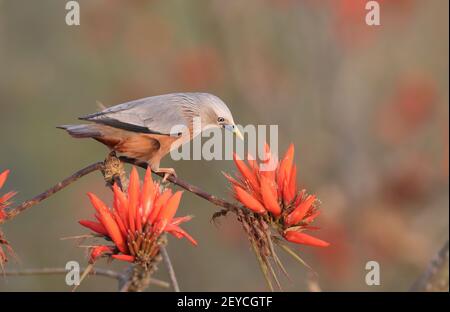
(12, 213)
(160, 283)
(187, 186)
(435, 278)
(170, 269)
(56, 271)
(95, 271)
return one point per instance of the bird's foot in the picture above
(167, 173)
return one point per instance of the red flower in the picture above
(4, 202)
(305, 239)
(274, 193)
(99, 251)
(137, 221)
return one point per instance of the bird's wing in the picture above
(152, 115)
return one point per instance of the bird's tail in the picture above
(82, 131)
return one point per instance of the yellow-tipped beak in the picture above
(235, 130)
(238, 133)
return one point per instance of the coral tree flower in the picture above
(138, 219)
(4, 202)
(269, 188)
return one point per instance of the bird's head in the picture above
(215, 113)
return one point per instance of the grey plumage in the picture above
(158, 114)
(130, 127)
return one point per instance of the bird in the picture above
(148, 129)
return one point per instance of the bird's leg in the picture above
(167, 173)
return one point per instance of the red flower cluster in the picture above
(137, 221)
(275, 193)
(4, 202)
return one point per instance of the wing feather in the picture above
(153, 115)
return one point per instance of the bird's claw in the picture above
(167, 173)
(166, 176)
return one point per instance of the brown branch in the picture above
(95, 271)
(435, 278)
(12, 213)
(187, 186)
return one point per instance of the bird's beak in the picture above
(235, 130)
(238, 133)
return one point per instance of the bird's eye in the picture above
(220, 119)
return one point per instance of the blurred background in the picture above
(366, 107)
